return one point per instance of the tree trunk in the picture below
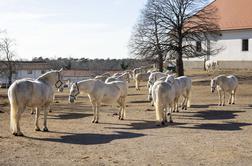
(179, 65)
(160, 62)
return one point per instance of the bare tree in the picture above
(7, 58)
(186, 28)
(147, 38)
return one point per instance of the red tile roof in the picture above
(233, 14)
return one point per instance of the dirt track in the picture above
(206, 134)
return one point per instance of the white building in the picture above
(25, 69)
(235, 21)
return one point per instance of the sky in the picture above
(70, 28)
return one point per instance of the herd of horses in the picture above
(164, 93)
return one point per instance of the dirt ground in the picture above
(206, 134)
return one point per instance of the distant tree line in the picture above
(94, 64)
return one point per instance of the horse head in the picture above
(74, 91)
(213, 85)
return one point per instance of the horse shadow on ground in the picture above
(216, 114)
(141, 125)
(67, 116)
(135, 94)
(139, 101)
(90, 138)
(202, 105)
(227, 126)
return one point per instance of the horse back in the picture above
(30, 92)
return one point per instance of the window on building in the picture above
(29, 71)
(245, 44)
(198, 46)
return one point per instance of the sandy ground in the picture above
(206, 134)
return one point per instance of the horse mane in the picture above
(45, 75)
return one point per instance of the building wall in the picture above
(231, 42)
(24, 74)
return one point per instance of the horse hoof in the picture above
(32, 113)
(171, 121)
(50, 111)
(168, 113)
(18, 134)
(96, 121)
(163, 123)
(233, 103)
(37, 129)
(45, 129)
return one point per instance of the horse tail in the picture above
(14, 107)
(159, 111)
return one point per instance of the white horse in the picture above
(141, 77)
(123, 77)
(183, 86)
(211, 65)
(163, 94)
(142, 69)
(225, 84)
(36, 93)
(100, 92)
(154, 77)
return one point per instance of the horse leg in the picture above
(120, 108)
(183, 103)
(50, 109)
(136, 84)
(170, 118)
(177, 107)
(234, 93)
(97, 112)
(123, 108)
(32, 111)
(15, 118)
(94, 110)
(224, 98)
(220, 98)
(45, 129)
(230, 98)
(36, 120)
(121, 102)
